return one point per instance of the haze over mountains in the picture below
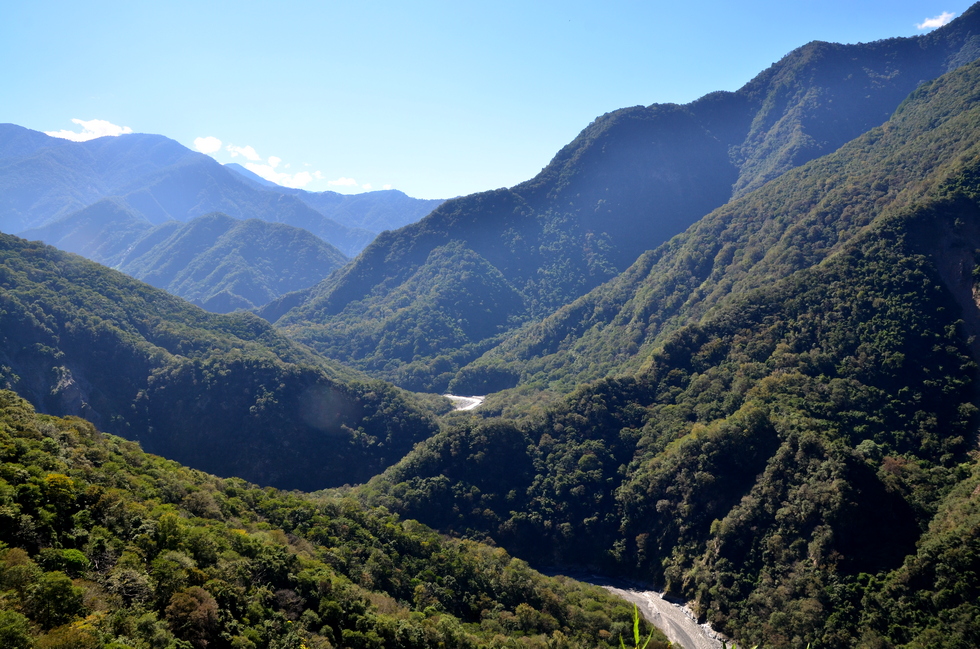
(376, 211)
(45, 179)
(731, 349)
(215, 261)
(120, 201)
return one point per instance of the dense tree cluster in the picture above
(223, 393)
(784, 454)
(102, 545)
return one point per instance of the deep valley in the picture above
(727, 350)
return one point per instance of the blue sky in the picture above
(434, 98)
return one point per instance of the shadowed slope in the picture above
(222, 393)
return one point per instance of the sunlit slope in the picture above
(104, 545)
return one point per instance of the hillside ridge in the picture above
(629, 182)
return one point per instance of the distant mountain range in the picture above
(375, 211)
(121, 201)
(44, 179)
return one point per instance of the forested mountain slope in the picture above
(798, 453)
(103, 232)
(226, 394)
(102, 545)
(215, 261)
(630, 181)
(792, 223)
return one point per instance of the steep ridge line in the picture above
(630, 181)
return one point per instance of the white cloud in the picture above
(91, 129)
(245, 151)
(208, 144)
(302, 179)
(366, 186)
(296, 181)
(273, 169)
(386, 187)
(936, 21)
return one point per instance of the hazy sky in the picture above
(434, 98)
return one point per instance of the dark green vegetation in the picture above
(794, 222)
(796, 449)
(102, 545)
(772, 414)
(225, 394)
(630, 181)
(44, 179)
(217, 262)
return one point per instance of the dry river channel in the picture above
(676, 620)
(464, 403)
